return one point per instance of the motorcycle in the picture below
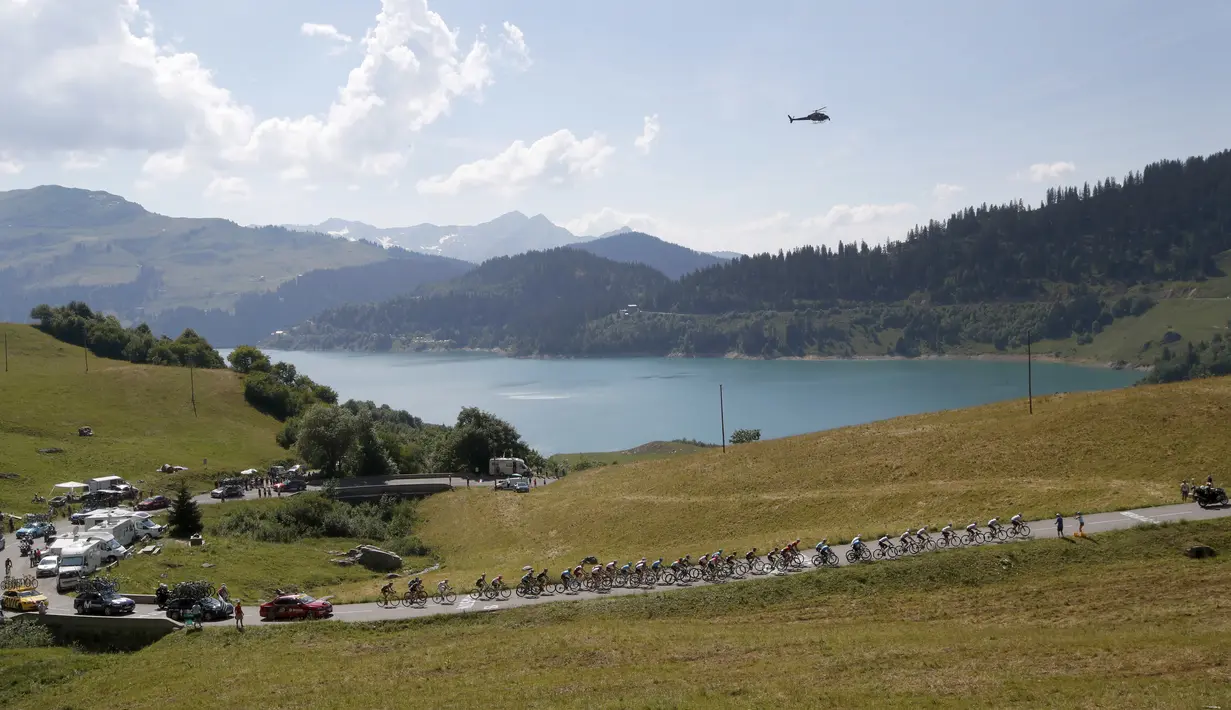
(161, 597)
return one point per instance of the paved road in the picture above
(370, 611)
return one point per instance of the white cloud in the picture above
(78, 160)
(1042, 172)
(609, 219)
(10, 166)
(648, 133)
(944, 191)
(846, 215)
(228, 189)
(553, 159)
(91, 76)
(311, 29)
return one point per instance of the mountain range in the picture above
(509, 234)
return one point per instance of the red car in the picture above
(154, 503)
(296, 606)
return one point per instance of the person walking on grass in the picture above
(239, 615)
(1059, 525)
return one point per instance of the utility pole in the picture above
(85, 345)
(6, 351)
(722, 417)
(192, 388)
(1029, 375)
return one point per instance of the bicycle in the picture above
(861, 553)
(414, 597)
(826, 559)
(444, 596)
(1021, 530)
(950, 541)
(887, 552)
(389, 599)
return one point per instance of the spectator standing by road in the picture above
(239, 614)
(1081, 525)
(1184, 491)
(1059, 525)
(8, 567)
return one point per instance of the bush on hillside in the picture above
(313, 516)
(24, 633)
(104, 336)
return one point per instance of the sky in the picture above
(668, 117)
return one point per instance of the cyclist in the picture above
(751, 555)
(657, 565)
(993, 524)
(857, 545)
(387, 590)
(677, 565)
(481, 582)
(922, 533)
(596, 571)
(611, 567)
(627, 569)
(640, 565)
(947, 531)
(884, 542)
(822, 548)
(1016, 520)
(905, 538)
(972, 528)
(565, 577)
(542, 579)
(526, 579)
(579, 572)
(414, 585)
(442, 586)
(773, 556)
(686, 561)
(498, 581)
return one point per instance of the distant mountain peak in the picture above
(622, 230)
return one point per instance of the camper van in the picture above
(109, 483)
(81, 555)
(497, 468)
(141, 520)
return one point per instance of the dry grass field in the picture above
(1088, 452)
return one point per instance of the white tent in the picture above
(247, 472)
(71, 485)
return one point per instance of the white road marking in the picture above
(465, 603)
(491, 607)
(1138, 516)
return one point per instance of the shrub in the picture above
(25, 633)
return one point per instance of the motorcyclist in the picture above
(161, 594)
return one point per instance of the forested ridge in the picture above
(1067, 267)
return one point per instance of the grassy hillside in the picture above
(64, 243)
(1088, 452)
(1057, 624)
(142, 417)
(645, 452)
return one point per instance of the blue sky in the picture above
(934, 106)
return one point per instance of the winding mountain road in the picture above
(371, 611)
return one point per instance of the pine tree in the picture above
(185, 515)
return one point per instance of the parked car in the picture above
(292, 486)
(107, 603)
(154, 503)
(22, 599)
(520, 485)
(228, 491)
(296, 606)
(49, 566)
(212, 609)
(42, 529)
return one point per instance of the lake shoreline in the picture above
(963, 357)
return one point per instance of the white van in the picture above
(94, 549)
(124, 531)
(508, 467)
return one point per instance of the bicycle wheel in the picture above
(667, 578)
(521, 590)
(408, 598)
(504, 593)
(1024, 531)
(852, 556)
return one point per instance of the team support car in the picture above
(292, 486)
(296, 606)
(212, 609)
(103, 603)
(41, 528)
(22, 599)
(227, 492)
(49, 566)
(154, 503)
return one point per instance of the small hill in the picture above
(63, 244)
(142, 417)
(1088, 452)
(538, 301)
(509, 234)
(639, 248)
(258, 315)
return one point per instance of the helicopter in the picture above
(817, 116)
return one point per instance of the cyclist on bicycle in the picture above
(442, 586)
(498, 581)
(596, 571)
(922, 533)
(611, 567)
(542, 578)
(751, 555)
(1016, 520)
(387, 590)
(627, 569)
(677, 565)
(687, 560)
(481, 582)
(773, 555)
(905, 538)
(857, 544)
(658, 564)
(527, 577)
(822, 546)
(947, 530)
(414, 585)
(972, 528)
(640, 565)
(565, 577)
(884, 542)
(993, 524)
